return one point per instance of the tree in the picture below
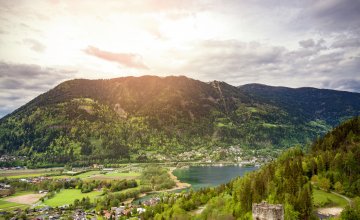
(324, 183)
(314, 179)
(339, 187)
(352, 212)
(290, 213)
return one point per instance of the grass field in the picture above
(19, 176)
(98, 175)
(5, 205)
(115, 174)
(325, 199)
(25, 173)
(109, 175)
(67, 196)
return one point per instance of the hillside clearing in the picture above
(325, 199)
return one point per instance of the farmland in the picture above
(13, 201)
(67, 196)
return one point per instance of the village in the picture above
(47, 212)
(74, 193)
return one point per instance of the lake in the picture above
(209, 176)
(205, 176)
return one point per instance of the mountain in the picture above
(171, 118)
(307, 103)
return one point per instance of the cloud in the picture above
(238, 62)
(126, 59)
(35, 45)
(352, 85)
(307, 43)
(347, 42)
(19, 83)
(329, 16)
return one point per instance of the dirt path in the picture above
(25, 199)
(199, 210)
(333, 211)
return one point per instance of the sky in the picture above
(297, 43)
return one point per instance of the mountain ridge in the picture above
(152, 116)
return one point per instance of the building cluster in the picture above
(4, 186)
(5, 190)
(47, 212)
(129, 210)
(34, 180)
(10, 158)
(151, 202)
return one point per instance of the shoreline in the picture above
(178, 184)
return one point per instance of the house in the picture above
(98, 166)
(4, 186)
(126, 212)
(107, 214)
(151, 202)
(108, 169)
(140, 210)
(45, 208)
(119, 210)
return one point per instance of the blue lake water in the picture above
(209, 176)
(205, 176)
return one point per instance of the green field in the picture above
(325, 199)
(27, 175)
(5, 205)
(108, 175)
(67, 196)
(116, 174)
(100, 175)
(81, 175)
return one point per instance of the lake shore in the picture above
(179, 184)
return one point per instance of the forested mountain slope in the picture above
(153, 118)
(307, 103)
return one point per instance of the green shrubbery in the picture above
(157, 178)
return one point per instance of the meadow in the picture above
(326, 199)
(94, 174)
(6, 205)
(26, 173)
(100, 175)
(67, 196)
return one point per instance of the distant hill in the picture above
(154, 118)
(307, 103)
